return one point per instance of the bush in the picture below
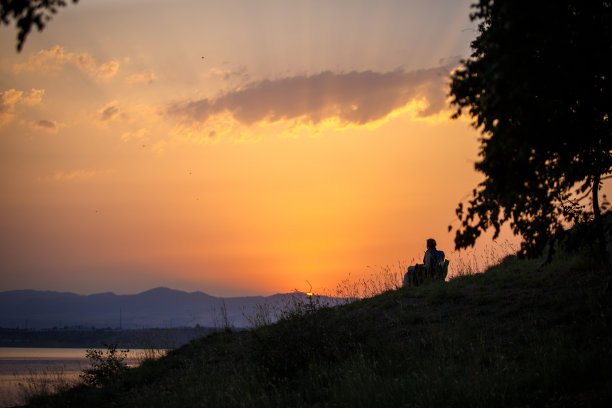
(106, 366)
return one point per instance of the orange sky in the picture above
(235, 148)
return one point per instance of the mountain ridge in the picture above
(156, 307)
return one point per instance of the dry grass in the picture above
(40, 383)
(377, 280)
(471, 262)
(380, 279)
(148, 353)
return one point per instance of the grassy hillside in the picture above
(518, 335)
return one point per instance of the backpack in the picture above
(440, 266)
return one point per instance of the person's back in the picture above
(433, 267)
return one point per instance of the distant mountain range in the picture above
(159, 307)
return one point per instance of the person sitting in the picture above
(434, 266)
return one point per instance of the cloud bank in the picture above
(56, 58)
(352, 98)
(11, 98)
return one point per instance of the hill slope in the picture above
(514, 336)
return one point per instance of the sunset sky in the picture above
(232, 147)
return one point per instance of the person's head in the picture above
(431, 243)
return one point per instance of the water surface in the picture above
(22, 367)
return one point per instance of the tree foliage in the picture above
(28, 13)
(537, 86)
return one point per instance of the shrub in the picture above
(106, 366)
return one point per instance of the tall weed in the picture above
(471, 261)
(37, 384)
(379, 279)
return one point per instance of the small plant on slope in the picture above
(105, 365)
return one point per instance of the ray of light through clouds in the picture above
(232, 147)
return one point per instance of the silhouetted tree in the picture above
(26, 13)
(537, 86)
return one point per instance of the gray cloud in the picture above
(354, 97)
(108, 113)
(50, 126)
(47, 124)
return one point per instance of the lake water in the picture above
(22, 367)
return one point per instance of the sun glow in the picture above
(237, 151)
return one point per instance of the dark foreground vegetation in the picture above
(517, 335)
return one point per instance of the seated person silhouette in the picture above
(434, 267)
